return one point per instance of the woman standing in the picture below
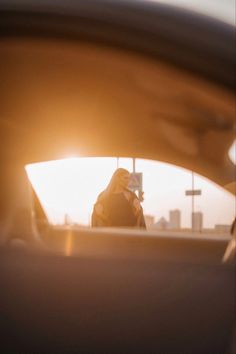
(117, 206)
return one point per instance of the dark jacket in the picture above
(105, 211)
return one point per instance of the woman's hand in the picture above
(137, 206)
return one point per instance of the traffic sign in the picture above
(193, 192)
(136, 181)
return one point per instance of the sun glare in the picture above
(68, 188)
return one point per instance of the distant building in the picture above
(161, 224)
(175, 219)
(197, 221)
(149, 220)
(67, 220)
(222, 228)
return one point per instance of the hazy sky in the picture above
(221, 9)
(71, 187)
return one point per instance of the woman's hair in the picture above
(113, 182)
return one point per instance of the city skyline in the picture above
(197, 219)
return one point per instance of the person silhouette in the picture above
(117, 206)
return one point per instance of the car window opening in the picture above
(153, 195)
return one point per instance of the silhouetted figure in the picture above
(117, 205)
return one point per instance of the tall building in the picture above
(175, 219)
(197, 221)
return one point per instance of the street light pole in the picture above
(192, 193)
(133, 164)
(193, 201)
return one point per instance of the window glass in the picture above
(174, 199)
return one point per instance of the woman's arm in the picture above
(138, 211)
(99, 217)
